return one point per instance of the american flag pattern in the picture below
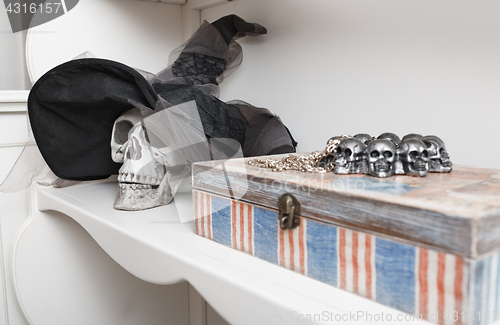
(203, 214)
(356, 262)
(441, 286)
(242, 226)
(413, 279)
(292, 248)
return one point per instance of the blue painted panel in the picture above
(395, 271)
(266, 234)
(221, 220)
(322, 252)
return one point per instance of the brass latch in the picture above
(289, 208)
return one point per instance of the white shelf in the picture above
(156, 247)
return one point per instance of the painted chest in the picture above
(427, 246)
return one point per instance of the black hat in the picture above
(72, 109)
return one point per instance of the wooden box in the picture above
(427, 246)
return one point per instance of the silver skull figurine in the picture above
(144, 178)
(414, 156)
(388, 155)
(364, 137)
(349, 157)
(381, 158)
(390, 136)
(412, 136)
(439, 158)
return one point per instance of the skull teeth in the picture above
(419, 165)
(381, 166)
(125, 186)
(134, 178)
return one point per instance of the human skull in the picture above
(439, 158)
(328, 161)
(381, 158)
(390, 136)
(412, 136)
(144, 178)
(350, 157)
(414, 156)
(365, 138)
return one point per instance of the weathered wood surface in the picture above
(457, 212)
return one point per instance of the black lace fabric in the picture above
(207, 47)
(198, 69)
(195, 72)
(219, 119)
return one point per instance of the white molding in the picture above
(16, 108)
(16, 144)
(14, 96)
(191, 16)
(13, 101)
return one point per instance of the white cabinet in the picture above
(13, 207)
(326, 68)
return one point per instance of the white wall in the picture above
(331, 67)
(12, 65)
(140, 34)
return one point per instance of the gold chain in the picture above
(301, 163)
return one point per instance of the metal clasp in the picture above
(289, 211)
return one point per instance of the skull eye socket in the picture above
(413, 154)
(348, 152)
(441, 151)
(338, 150)
(122, 129)
(425, 154)
(387, 154)
(374, 154)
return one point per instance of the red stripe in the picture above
(458, 287)
(368, 265)
(342, 258)
(282, 246)
(440, 287)
(355, 261)
(233, 223)
(301, 248)
(422, 281)
(242, 227)
(202, 220)
(250, 225)
(292, 259)
(209, 216)
(196, 214)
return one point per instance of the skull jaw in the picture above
(381, 168)
(137, 197)
(418, 168)
(341, 168)
(440, 166)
